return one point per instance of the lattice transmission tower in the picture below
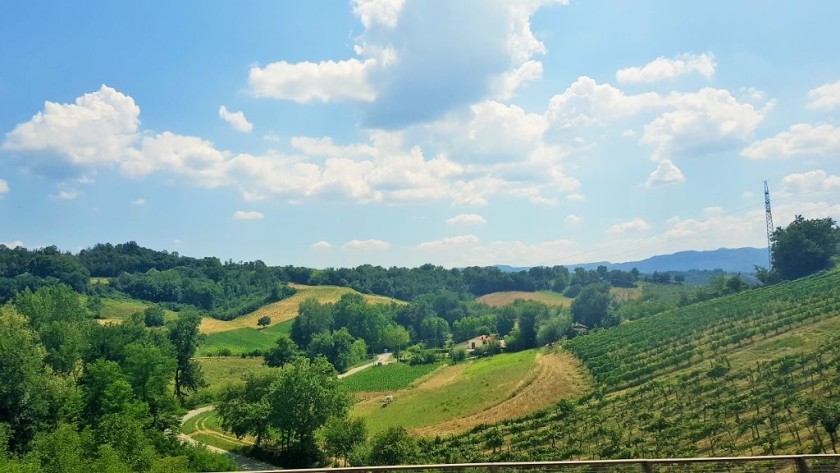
(769, 217)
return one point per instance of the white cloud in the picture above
(665, 173)
(508, 83)
(248, 215)
(586, 103)
(138, 202)
(4, 186)
(824, 97)
(573, 219)
(801, 139)
(636, 225)
(383, 12)
(366, 245)
(449, 242)
(95, 130)
(236, 120)
(663, 68)
(67, 194)
(326, 81)
(810, 181)
(497, 131)
(466, 219)
(12, 244)
(576, 197)
(321, 245)
(702, 122)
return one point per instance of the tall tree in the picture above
(184, 335)
(592, 306)
(804, 247)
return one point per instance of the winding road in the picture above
(244, 463)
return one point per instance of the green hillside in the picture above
(752, 373)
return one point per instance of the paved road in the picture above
(249, 464)
(382, 359)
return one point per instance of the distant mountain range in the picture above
(731, 260)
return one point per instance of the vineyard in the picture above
(668, 386)
(387, 378)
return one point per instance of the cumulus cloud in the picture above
(326, 81)
(586, 103)
(321, 245)
(4, 186)
(138, 202)
(236, 120)
(12, 244)
(248, 215)
(663, 68)
(810, 181)
(371, 244)
(382, 12)
(636, 225)
(666, 172)
(702, 122)
(449, 242)
(466, 219)
(802, 139)
(824, 97)
(66, 194)
(96, 129)
(573, 219)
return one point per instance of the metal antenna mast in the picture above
(769, 215)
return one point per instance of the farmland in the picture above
(499, 299)
(457, 397)
(742, 374)
(285, 309)
(243, 340)
(388, 377)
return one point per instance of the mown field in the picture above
(286, 309)
(243, 340)
(501, 299)
(457, 397)
(752, 373)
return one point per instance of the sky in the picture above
(403, 132)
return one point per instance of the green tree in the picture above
(62, 323)
(153, 316)
(312, 318)
(150, 368)
(245, 410)
(434, 331)
(184, 335)
(264, 321)
(339, 348)
(342, 435)
(395, 338)
(804, 247)
(592, 306)
(24, 404)
(284, 351)
(392, 446)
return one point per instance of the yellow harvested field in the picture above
(287, 309)
(500, 299)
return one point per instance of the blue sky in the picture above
(400, 132)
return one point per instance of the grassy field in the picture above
(287, 308)
(117, 309)
(219, 371)
(499, 299)
(243, 340)
(457, 397)
(387, 378)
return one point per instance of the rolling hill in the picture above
(750, 373)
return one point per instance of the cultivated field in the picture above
(458, 397)
(499, 299)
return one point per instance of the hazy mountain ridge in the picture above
(730, 260)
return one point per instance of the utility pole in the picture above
(769, 217)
